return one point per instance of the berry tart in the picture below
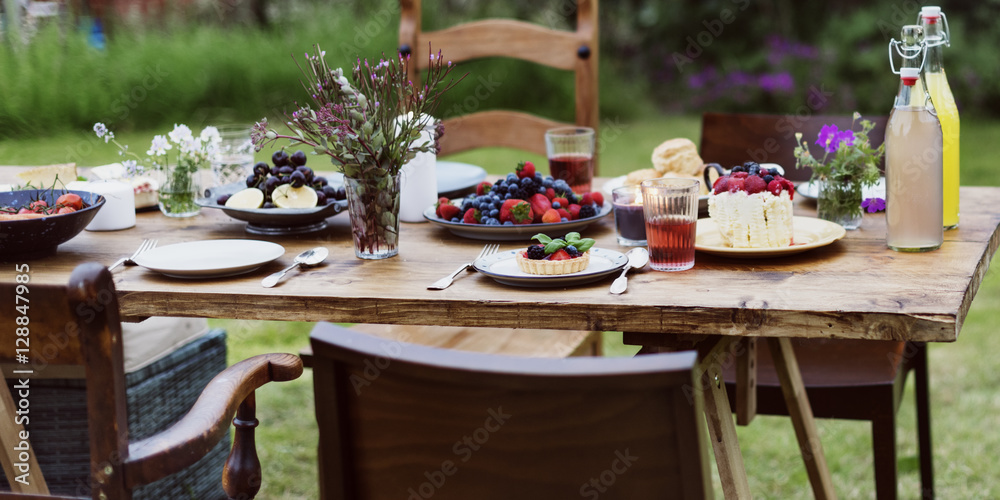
(753, 207)
(556, 256)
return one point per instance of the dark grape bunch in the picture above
(289, 169)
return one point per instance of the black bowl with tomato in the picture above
(33, 222)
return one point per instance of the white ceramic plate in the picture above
(502, 267)
(522, 232)
(811, 191)
(809, 233)
(210, 258)
(455, 177)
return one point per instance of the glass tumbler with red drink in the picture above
(571, 156)
(670, 207)
(630, 224)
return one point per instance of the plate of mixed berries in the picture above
(518, 206)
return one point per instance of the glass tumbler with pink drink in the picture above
(571, 156)
(670, 207)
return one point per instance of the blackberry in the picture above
(572, 251)
(536, 252)
(587, 211)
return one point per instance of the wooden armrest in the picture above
(207, 422)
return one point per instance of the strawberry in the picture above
(574, 211)
(563, 202)
(560, 255)
(550, 193)
(448, 211)
(472, 216)
(586, 199)
(516, 211)
(754, 184)
(738, 175)
(774, 187)
(598, 198)
(539, 205)
(442, 201)
(564, 213)
(525, 169)
(721, 184)
(550, 216)
(483, 188)
(735, 184)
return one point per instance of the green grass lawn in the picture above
(965, 401)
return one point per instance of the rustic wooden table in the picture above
(853, 288)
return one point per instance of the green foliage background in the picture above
(656, 57)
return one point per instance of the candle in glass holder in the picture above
(630, 225)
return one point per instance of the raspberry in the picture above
(721, 184)
(736, 184)
(739, 175)
(754, 184)
(536, 252)
(774, 187)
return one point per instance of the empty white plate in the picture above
(210, 258)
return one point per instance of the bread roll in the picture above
(678, 156)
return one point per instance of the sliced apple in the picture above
(286, 196)
(247, 198)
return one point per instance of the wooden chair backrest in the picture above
(575, 51)
(731, 138)
(400, 420)
(79, 324)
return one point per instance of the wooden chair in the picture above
(847, 379)
(399, 420)
(575, 51)
(731, 138)
(79, 324)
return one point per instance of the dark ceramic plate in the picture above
(34, 238)
(276, 221)
(522, 232)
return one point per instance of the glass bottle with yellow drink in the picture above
(936, 37)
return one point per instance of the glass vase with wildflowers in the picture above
(848, 165)
(179, 156)
(369, 126)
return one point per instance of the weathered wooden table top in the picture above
(853, 288)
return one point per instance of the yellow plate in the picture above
(809, 233)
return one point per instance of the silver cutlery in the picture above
(443, 283)
(308, 258)
(637, 257)
(147, 244)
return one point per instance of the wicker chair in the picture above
(79, 324)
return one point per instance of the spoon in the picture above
(637, 257)
(308, 258)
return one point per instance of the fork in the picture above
(443, 283)
(147, 244)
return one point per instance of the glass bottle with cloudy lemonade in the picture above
(936, 37)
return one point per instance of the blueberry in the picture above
(768, 178)
(541, 190)
(547, 183)
(508, 223)
(456, 219)
(514, 191)
(563, 219)
(527, 182)
(774, 171)
(512, 178)
(753, 169)
(737, 168)
(495, 213)
(507, 196)
(748, 164)
(556, 205)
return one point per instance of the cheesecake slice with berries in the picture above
(752, 207)
(556, 256)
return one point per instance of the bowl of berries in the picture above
(284, 198)
(33, 222)
(518, 206)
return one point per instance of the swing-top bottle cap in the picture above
(909, 75)
(931, 13)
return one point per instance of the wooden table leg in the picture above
(746, 381)
(802, 417)
(9, 439)
(722, 430)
